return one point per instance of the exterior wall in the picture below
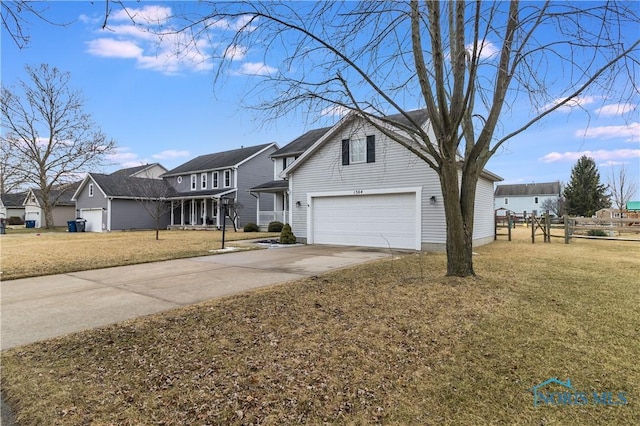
(62, 214)
(13, 212)
(252, 173)
(519, 204)
(97, 202)
(32, 211)
(185, 185)
(131, 214)
(395, 167)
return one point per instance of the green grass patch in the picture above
(391, 342)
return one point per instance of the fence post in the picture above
(566, 228)
(524, 218)
(509, 224)
(533, 228)
(547, 226)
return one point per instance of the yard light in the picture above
(225, 204)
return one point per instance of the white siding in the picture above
(395, 167)
(524, 203)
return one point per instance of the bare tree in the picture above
(553, 205)
(154, 196)
(16, 18)
(467, 63)
(622, 188)
(11, 176)
(54, 140)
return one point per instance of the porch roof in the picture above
(204, 194)
(279, 185)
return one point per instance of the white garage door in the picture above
(379, 220)
(94, 220)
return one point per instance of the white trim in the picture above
(193, 184)
(91, 190)
(215, 180)
(109, 200)
(203, 180)
(272, 144)
(224, 178)
(359, 192)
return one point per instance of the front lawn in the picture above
(391, 342)
(34, 253)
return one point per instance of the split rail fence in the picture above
(566, 227)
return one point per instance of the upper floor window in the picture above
(215, 180)
(506, 201)
(194, 182)
(179, 179)
(227, 178)
(203, 181)
(359, 150)
(535, 200)
(90, 190)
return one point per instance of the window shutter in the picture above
(345, 152)
(371, 149)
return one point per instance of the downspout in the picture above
(109, 213)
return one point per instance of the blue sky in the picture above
(161, 108)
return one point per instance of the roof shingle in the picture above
(219, 160)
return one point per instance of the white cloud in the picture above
(146, 15)
(579, 101)
(170, 154)
(487, 50)
(122, 155)
(599, 155)
(255, 68)
(615, 109)
(235, 52)
(111, 48)
(630, 132)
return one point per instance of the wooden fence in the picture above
(546, 226)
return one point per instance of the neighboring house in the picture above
(150, 171)
(633, 206)
(12, 205)
(631, 212)
(355, 186)
(121, 202)
(64, 208)
(275, 192)
(202, 182)
(528, 197)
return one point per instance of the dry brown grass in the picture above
(44, 253)
(391, 342)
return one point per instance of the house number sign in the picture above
(358, 191)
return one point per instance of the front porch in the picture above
(276, 202)
(203, 212)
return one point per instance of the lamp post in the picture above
(225, 203)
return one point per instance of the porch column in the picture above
(172, 213)
(182, 212)
(258, 209)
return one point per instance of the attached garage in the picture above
(93, 218)
(371, 218)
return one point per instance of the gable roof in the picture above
(123, 186)
(130, 171)
(61, 195)
(528, 189)
(633, 205)
(219, 160)
(13, 200)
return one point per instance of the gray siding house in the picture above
(355, 186)
(202, 183)
(121, 202)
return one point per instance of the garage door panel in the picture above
(380, 220)
(94, 220)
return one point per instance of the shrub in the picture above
(251, 227)
(596, 233)
(275, 226)
(15, 220)
(286, 236)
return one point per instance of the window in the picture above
(203, 181)
(215, 180)
(90, 190)
(179, 179)
(506, 201)
(359, 150)
(194, 182)
(227, 178)
(535, 200)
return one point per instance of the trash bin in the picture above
(29, 223)
(80, 224)
(71, 225)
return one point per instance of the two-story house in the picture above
(202, 183)
(525, 199)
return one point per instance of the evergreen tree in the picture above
(584, 195)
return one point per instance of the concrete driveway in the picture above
(44, 307)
